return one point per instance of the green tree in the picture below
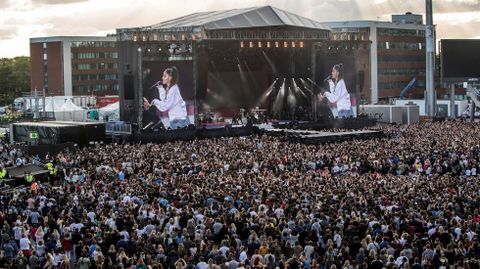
(14, 78)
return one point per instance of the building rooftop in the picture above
(72, 38)
(265, 16)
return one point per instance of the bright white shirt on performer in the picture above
(171, 102)
(339, 95)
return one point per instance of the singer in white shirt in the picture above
(338, 94)
(171, 100)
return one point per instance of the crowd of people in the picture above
(11, 155)
(410, 200)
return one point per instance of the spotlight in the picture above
(139, 49)
(285, 44)
(250, 44)
(134, 38)
(144, 38)
(268, 44)
(276, 44)
(293, 44)
(259, 44)
(301, 44)
(241, 44)
(148, 50)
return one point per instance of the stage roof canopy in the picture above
(254, 17)
(266, 16)
(257, 23)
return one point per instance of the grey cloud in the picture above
(7, 33)
(148, 12)
(5, 3)
(56, 2)
(446, 30)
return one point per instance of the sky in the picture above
(23, 19)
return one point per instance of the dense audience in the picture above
(407, 201)
(11, 155)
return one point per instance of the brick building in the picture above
(74, 65)
(397, 53)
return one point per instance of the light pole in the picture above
(430, 61)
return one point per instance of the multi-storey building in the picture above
(74, 65)
(397, 53)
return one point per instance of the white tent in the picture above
(51, 104)
(70, 112)
(111, 111)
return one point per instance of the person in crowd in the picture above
(403, 201)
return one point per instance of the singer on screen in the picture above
(170, 100)
(338, 94)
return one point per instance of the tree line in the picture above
(14, 78)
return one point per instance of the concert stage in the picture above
(319, 137)
(301, 131)
(162, 136)
(325, 124)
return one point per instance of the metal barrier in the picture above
(118, 127)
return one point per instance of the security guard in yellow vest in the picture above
(49, 166)
(51, 170)
(28, 177)
(3, 175)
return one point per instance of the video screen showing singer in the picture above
(338, 94)
(170, 99)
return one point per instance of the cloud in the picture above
(22, 19)
(7, 33)
(56, 2)
(4, 3)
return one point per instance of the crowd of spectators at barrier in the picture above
(407, 201)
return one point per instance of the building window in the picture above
(45, 57)
(401, 58)
(97, 55)
(400, 32)
(400, 45)
(94, 44)
(392, 85)
(95, 66)
(95, 88)
(400, 72)
(44, 45)
(111, 76)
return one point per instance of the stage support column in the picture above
(430, 60)
(472, 111)
(313, 68)
(196, 51)
(357, 79)
(453, 113)
(139, 95)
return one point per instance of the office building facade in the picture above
(397, 53)
(80, 65)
